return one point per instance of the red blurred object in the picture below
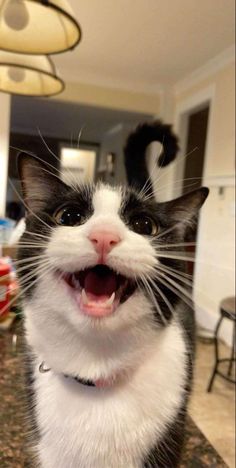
(4, 290)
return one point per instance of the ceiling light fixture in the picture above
(37, 27)
(29, 75)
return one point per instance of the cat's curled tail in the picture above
(135, 149)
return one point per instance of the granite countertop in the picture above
(197, 453)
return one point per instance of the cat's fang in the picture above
(111, 299)
(84, 297)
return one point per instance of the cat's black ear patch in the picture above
(184, 210)
(38, 181)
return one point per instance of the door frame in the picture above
(183, 110)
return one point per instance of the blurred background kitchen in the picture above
(75, 79)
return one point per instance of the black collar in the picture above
(88, 383)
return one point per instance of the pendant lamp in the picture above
(37, 27)
(28, 75)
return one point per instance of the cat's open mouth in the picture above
(99, 290)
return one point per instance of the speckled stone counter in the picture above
(197, 453)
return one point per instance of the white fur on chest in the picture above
(86, 427)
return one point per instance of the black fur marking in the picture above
(168, 451)
(163, 215)
(136, 145)
(66, 195)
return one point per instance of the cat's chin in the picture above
(97, 291)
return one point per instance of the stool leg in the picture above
(232, 353)
(216, 355)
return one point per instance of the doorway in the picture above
(196, 138)
(195, 146)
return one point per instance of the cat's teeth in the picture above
(84, 297)
(108, 303)
(111, 299)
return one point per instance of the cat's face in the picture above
(94, 270)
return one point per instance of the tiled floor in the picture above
(214, 413)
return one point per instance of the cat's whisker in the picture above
(58, 159)
(178, 187)
(167, 231)
(32, 246)
(176, 255)
(148, 183)
(37, 235)
(187, 155)
(175, 275)
(25, 244)
(184, 277)
(155, 191)
(26, 278)
(164, 280)
(190, 285)
(167, 246)
(153, 299)
(80, 134)
(30, 241)
(27, 263)
(191, 259)
(35, 156)
(23, 291)
(178, 184)
(47, 171)
(146, 192)
(37, 260)
(21, 268)
(175, 284)
(40, 268)
(160, 292)
(176, 252)
(175, 270)
(32, 264)
(29, 259)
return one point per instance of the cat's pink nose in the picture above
(104, 241)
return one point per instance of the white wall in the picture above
(215, 268)
(5, 104)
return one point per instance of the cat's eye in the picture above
(144, 225)
(69, 216)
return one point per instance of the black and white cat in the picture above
(111, 340)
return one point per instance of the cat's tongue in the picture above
(100, 285)
(98, 298)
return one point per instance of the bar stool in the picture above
(227, 310)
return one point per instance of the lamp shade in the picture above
(28, 75)
(37, 26)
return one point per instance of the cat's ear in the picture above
(38, 181)
(184, 210)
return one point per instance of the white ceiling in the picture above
(145, 44)
(132, 44)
